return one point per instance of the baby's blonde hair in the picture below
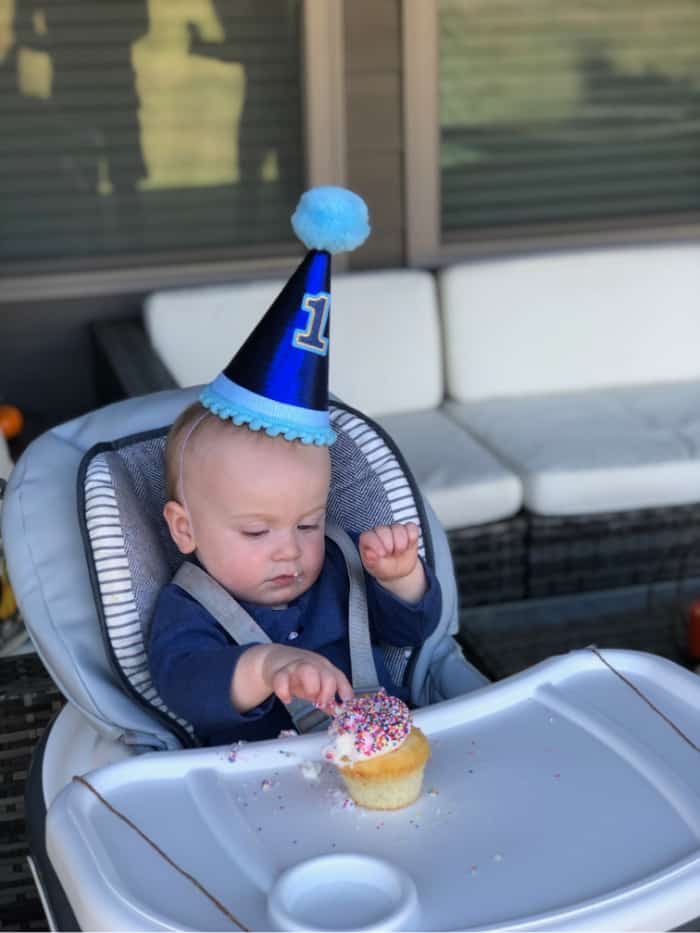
(187, 422)
(185, 431)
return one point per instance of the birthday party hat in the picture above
(277, 382)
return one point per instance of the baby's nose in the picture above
(288, 545)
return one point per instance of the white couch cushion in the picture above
(579, 320)
(195, 331)
(463, 482)
(602, 450)
(386, 354)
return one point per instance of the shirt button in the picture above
(292, 636)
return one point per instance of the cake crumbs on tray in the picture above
(311, 770)
(340, 801)
(235, 750)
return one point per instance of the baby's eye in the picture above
(254, 534)
(309, 526)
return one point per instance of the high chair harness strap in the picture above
(243, 628)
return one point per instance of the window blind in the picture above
(147, 128)
(554, 111)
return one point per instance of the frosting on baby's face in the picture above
(367, 726)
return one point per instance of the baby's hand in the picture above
(294, 672)
(390, 554)
(389, 551)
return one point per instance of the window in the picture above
(560, 117)
(149, 130)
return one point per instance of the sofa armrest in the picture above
(127, 365)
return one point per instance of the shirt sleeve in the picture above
(192, 664)
(397, 622)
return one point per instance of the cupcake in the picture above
(378, 751)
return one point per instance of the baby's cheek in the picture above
(316, 559)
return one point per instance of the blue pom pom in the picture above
(332, 219)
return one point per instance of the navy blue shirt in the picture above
(192, 658)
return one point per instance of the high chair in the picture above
(566, 797)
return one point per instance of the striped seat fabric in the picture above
(131, 555)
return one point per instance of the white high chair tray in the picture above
(555, 799)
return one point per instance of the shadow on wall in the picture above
(130, 129)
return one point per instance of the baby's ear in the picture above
(179, 525)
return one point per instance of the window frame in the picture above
(425, 245)
(324, 134)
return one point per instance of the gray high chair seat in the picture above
(88, 552)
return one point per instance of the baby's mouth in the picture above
(287, 579)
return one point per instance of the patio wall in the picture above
(46, 357)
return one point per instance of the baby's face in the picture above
(258, 508)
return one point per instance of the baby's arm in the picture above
(287, 672)
(390, 554)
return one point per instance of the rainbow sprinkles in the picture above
(368, 726)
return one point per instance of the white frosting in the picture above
(367, 727)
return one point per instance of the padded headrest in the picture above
(43, 540)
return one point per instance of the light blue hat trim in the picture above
(227, 399)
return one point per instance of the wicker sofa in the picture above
(549, 406)
(580, 371)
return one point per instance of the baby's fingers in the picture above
(400, 535)
(297, 680)
(326, 695)
(281, 685)
(307, 683)
(370, 545)
(342, 687)
(376, 543)
(385, 533)
(405, 537)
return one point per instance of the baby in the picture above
(251, 509)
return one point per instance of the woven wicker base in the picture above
(503, 640)
(489, 562)
(28, 701)
(573, 554)
(533, 556)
